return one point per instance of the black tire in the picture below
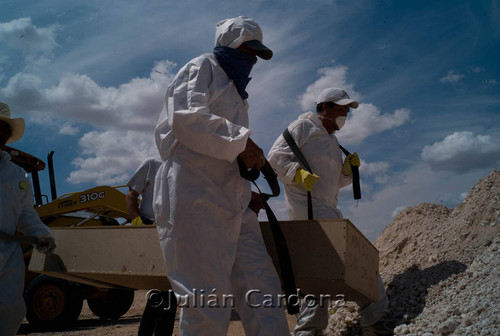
(52, 303)
(116, 303)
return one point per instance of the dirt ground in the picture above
(90, 325)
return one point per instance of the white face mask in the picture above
(340, 121)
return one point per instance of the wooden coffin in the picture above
(329, 257)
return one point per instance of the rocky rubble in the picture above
(441, 270)
(464, 304)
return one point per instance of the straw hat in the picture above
(16, 125)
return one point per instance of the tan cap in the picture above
(16, 125)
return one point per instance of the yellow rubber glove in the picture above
(305, 179)
(137, 221)
(350, 160)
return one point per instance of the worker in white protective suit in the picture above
(314, 134)
(16, 214)
(211, 240)
(157, 319)
(142, 184)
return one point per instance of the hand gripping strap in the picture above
(356, 188)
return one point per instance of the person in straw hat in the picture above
(16, 214)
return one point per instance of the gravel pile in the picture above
(466, 303)
(441, 270)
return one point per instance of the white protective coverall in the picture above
(16, 213)
(210, 239)
(143, 183)
(322, 152)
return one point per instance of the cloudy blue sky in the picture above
(89, 77)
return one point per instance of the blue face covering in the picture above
(237, 65)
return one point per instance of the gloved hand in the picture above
(305, 178)
(137, 221)
(253, 155)
(46, 245)
(350, 160)
(256, 202)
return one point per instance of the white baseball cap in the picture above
(337, 96)
(234, 32)
(16, 125)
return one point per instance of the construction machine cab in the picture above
(101, 205)
(30, 164)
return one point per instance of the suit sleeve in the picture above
(194, 124)
(282, 158)
(29, 222)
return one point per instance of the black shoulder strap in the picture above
(356, 188)
(285, 263)
(295, 149)
(302, 160)
(18, 238)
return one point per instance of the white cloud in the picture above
(269, 90)
(382, 46)
(329, 77)
(411, 187)
(127, 113)
(108, 157)
(36, 44)
(364, 121)
(376, 169)
(367, 120)
(134, 105)
(69, 130)
(451, 77)
(23, 89)
(462, 152)
(124, 118)
(398, 210)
